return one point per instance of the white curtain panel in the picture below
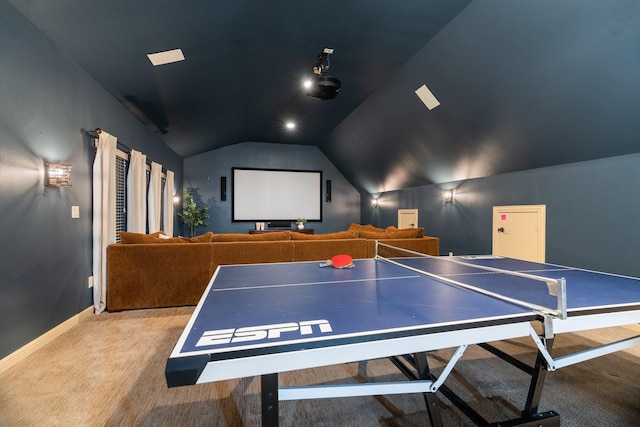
(167, 225)
(137, 193)
(104, 215)
(155, 192)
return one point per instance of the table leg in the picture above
(422, 368)
(269, 391)
(537, 381)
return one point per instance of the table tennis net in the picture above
(544, 294)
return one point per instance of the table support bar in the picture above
(370, 389)
(581, 356)
(353, 390)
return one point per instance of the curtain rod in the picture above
(96, 134)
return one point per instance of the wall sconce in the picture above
(57, 175)
(447, 196)
(375, 203)
(176, 200)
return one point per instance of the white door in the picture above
(519, 232)
(407, 218)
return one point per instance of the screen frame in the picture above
(316, 195)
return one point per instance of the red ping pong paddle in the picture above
(339, 261)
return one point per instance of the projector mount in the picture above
(322, 62)
(322, 85)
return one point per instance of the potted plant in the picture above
(300, 223)
(193, 215)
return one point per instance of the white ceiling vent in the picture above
(427, 97)
(166, 57)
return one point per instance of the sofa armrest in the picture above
(157, 275)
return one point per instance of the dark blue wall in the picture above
(522, 85)
(203, 172)
(45, 103)
(593, 211)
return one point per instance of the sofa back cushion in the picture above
(240, 237)
(405, 233)
(325, 236)
(128, 237)
(426, 245)
(252, 252)
(322, 250)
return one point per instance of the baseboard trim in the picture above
(44, 339)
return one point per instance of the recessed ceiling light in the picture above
(166, 57)
(290, 125)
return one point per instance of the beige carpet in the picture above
(109, 371)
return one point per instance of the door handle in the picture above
(501, 230)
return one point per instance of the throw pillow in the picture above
(367, 227)
(419, 231)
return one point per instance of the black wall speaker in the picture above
(329, 191)
(223, 188)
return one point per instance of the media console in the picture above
(304, 230)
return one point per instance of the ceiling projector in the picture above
(322, 85)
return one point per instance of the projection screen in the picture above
(276, 195)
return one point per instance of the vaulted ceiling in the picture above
(521, 84)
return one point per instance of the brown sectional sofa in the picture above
(148, 271)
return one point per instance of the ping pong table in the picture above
(265, 319)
